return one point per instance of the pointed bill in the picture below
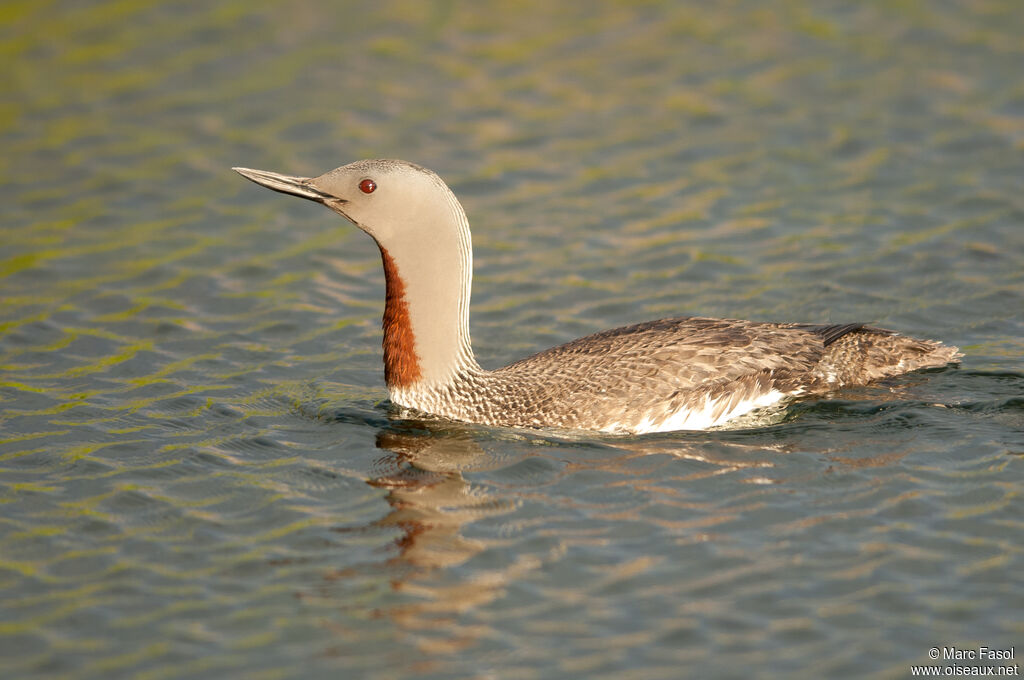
(286, 184)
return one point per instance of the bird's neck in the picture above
(426, 312)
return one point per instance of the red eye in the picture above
(367, 186)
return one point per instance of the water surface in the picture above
(200, 473)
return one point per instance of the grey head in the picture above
(424, 240)
(380, 196)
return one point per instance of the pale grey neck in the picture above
(434, 260)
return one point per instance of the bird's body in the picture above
(672, 374)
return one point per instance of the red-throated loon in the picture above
(688, 373)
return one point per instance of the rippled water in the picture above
(200, 474)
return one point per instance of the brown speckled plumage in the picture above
(683, 373)
(636, 378)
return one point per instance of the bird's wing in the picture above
(655, 369)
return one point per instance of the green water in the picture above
(201, 476)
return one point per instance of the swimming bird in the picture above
(688, 373)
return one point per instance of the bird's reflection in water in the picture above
(430, 498)
(431, 503)
(424, 470)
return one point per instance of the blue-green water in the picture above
(200, 474)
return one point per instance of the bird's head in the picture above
(388, 199)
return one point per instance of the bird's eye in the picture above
(367, 186)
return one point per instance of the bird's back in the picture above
(692, 372)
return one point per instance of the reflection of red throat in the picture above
(401, 365)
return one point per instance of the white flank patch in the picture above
(701, 418)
